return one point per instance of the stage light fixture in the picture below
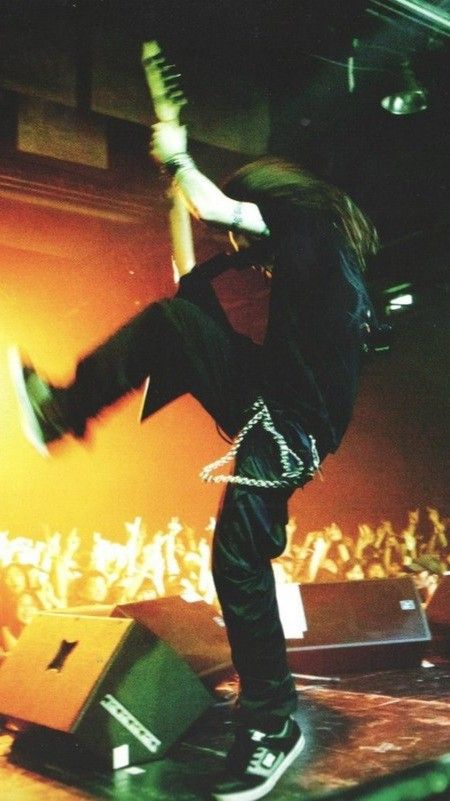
(411, 98)
(399, 298)
(399, 303)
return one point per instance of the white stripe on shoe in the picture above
(29, 421)
(254, 793)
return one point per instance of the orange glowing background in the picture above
(67, 280)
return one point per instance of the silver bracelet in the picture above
(179, 162)
(236, 221)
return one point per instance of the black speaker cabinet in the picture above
(438, 614)
(359, 626)
(194, 630)
(121, 692)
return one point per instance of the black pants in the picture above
(195, 348)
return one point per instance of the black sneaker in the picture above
(42, 419)
(256, 762)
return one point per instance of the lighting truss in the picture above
(428, 15)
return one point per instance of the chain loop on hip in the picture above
(290, 475)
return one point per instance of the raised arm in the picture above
(204, 199)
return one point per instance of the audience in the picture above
(59, 571)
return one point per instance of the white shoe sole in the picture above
(259, 792)
(30, 424)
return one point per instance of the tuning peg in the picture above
(167, 75)
(178, 97)
(151, 61)
(172, 86)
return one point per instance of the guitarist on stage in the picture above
(286, 403)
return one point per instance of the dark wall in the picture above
(395, 456)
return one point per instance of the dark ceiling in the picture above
(274, 76)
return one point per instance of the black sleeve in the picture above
(210, 269)
(207, 270)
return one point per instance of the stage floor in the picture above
(358, 729)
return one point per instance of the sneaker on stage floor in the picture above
(41, 417)
(256, 762)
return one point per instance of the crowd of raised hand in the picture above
(330, 555)
(60, 571)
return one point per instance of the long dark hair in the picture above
(272, 181)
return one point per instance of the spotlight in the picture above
(400, 301)
(399, 298)
(411, 98)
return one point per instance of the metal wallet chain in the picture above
(289, 476)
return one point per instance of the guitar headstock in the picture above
(163, 83)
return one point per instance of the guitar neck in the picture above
(168, 101)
